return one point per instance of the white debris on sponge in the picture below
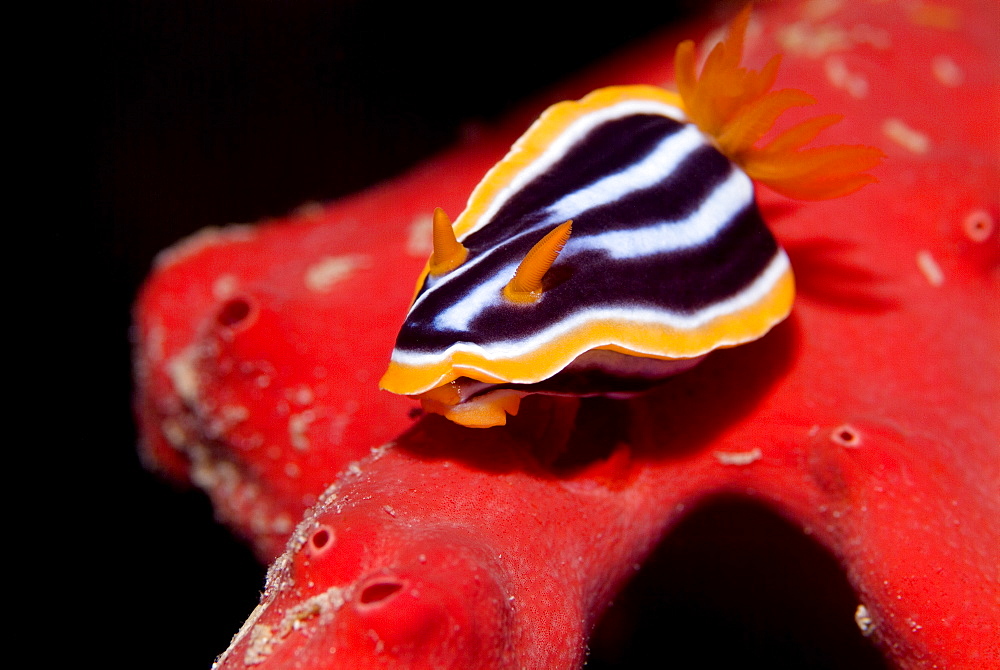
(738, 457)
(420, 242)
(909, 138)
(321, 276)
(864, 620)
(206, 237)
(930, 268)
(841, 77)
(947, 71)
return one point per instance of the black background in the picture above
(206, 113)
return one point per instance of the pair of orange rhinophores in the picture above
(668, 257)
(526, 284)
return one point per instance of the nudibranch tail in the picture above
(526, 284)
(735, 106)
(448, 252)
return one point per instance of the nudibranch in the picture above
(617, 243)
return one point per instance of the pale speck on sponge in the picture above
(420, 240)
(930, 268)
(905, 136)
(739, 457)
(330, 270)
(947, 71)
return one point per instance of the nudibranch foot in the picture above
(599, 372)
(669, 257)
(485, 411)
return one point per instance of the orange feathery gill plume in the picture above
(737, 107)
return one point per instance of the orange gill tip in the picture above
(448, 252)
(526, 284)
(711, 98)
(735, 106)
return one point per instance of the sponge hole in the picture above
(321, 540)
(378, 592)
(233, 313)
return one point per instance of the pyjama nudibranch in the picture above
(617, 243)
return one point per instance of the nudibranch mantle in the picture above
(617, 243)
(668, 260)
